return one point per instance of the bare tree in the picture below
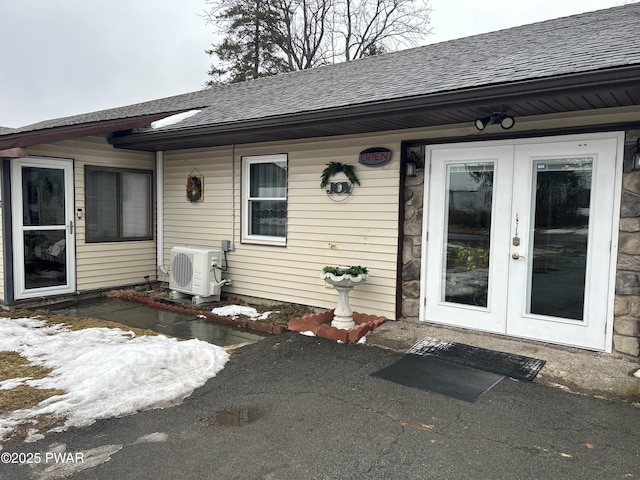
(376, 26)
(302, 33)
(287, 35)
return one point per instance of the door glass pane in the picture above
(468, 200)
(45, 258)
(559, 237)
(43, 196)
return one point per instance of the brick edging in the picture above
(247, 324)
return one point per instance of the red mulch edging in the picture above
(317, 323)
(248, 324)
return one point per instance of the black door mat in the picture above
(508, 364)
(439, 376)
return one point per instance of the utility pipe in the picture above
(160, 210)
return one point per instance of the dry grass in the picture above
(39, 424)
(73, 323)
(13, 365)
(24, 396)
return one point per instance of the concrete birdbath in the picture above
(343, 279)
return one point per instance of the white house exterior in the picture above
(530, 231)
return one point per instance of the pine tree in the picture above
(249, 50)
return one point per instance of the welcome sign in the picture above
(374, 157)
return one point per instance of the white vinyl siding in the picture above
(112, 264)
(362, 230)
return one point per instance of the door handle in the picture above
(70, 227)
(516, 256)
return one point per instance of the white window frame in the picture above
(247, 237)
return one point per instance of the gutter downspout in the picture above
(160, 212)
(233, 195)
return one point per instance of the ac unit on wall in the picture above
(196, 271)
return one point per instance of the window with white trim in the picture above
(118, 204)
(264, 199)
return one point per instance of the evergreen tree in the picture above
(249, 50)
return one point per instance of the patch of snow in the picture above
(308, 333)
(58, 463)
(637, 374)
(234, 311)
(173, 119)
(105, 372)
(33, 435)
(362, 340)
(155, 437)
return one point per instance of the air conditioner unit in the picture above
(196, 271)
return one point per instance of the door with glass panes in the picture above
(520, 238)
(43, 227)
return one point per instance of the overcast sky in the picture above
(64, 57)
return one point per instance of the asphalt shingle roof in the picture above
(583, 43)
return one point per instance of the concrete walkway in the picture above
(297, 407)
(574, 370)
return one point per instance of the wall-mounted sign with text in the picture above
(374, 157)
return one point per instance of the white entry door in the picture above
(520, 238)
(43, 228)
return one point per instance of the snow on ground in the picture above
(234, 311)
(106, 372)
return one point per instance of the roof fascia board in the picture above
(55, 134)
(452, 99)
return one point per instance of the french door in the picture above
(43, 228)
(520, 238)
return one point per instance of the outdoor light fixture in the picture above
(495, 118)
(635, 158)
(413, 163)
(411, 167)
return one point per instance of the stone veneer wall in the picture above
(412, 246)
(626, 325)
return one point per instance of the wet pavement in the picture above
(180, 325)
(297, 407)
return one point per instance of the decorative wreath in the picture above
(336, 167)
(195, 186)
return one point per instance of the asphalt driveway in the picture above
(297, 407)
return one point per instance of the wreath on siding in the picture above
(195, 188)
(336, 167)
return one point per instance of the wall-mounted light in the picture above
(415, 161)
(411, 166)
(635, 157)
(504, 120)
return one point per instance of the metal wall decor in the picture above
(338, 188)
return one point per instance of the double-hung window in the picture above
(264, 199)
(118, 204)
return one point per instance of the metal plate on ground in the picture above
(439, 376)
(511, 365)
